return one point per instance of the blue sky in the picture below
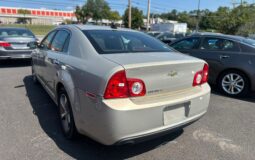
(157, 6)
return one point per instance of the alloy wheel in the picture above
(65, 114)
(233, 83)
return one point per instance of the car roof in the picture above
(95, 27)
(218, 35)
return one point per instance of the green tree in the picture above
(97, 9)
(114, 16)
(173, 15)
(79, 14)
(24, 12)
(206, 20)
(137, 18)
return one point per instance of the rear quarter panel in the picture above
(86, 72)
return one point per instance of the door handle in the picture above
(224, 56)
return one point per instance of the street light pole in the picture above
(129, 14)
(198, 16)
(148, 16)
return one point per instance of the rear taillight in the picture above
(201, 77)
(136, 87)
(119, 86)
(4, 44)
(205, 73)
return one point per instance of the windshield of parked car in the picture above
(15, 33)
(114, 41)
(165, 36)
(249, 42)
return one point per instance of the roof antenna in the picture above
(114, 26)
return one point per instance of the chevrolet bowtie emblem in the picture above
(172, 74)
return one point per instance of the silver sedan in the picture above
(14, 43)
(119, 86)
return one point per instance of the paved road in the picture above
(29, 128)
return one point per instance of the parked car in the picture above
(109, 83)
(231, 60)
(154, 33)
(168, 37)
(14, 43)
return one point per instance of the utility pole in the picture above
(129, 14)
(148, 15)
(234, 3)
(198, 16)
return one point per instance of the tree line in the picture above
(100, 9)
(238, 20)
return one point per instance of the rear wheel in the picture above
(234, 84)
(66, 115)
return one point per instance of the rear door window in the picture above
(59, 41)
(189, 43)
(218, 44)
(46, 42)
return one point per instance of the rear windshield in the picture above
(113, 41)
(15, 33)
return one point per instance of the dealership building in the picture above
(10, 15)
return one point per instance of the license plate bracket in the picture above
(20, 46)
(176, 113)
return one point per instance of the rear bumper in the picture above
(122, 120)
(152, 135)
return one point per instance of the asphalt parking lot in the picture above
(29, 128)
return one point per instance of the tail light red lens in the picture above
(136, 87)
(205, 73)
(117, 86)
(4, 44)
(121, 87)
(201, 77)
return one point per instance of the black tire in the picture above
(70, 133)
(245, 83)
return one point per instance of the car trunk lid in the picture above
(18, 43)
(161, 72)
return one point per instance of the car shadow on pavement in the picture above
(82, 148)
(14, 63)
